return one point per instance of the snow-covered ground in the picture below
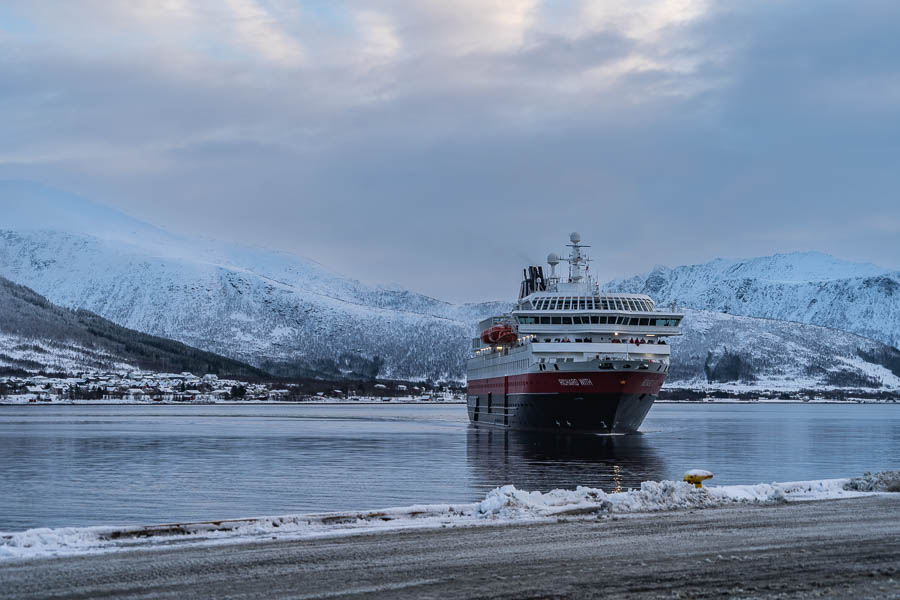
(32, 354)
(503, 505)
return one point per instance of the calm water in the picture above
(87, 465)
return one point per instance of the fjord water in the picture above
(92, 465)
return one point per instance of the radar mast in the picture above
(577, 259)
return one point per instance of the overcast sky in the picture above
(441, 145)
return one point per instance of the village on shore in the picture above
(144, 387)
(165, 388)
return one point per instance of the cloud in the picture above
(442, 141)
(259, 31)
(379, 37)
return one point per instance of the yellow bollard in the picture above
(697, 477)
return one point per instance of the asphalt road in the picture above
(831, 549)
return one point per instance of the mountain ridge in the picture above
(36, 334)
(865, 302)
(289, 315)
(294, 324)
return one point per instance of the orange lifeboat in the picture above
(499, 334)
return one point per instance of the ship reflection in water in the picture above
(545, 461)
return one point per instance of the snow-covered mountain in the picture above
(808, 287)
(286, 314)
(731, 352)
(36, 335)
(291, 315)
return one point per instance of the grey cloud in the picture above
(758, 128)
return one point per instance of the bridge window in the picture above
(545, 320)
(645, 321)
(567, 320)
(556, 320)
(527, 320)
(595, 319)
(666, 322)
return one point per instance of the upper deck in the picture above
(549, 312)
(555, 310)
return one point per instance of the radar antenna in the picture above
(577, 259)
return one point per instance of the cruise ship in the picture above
(569, 357)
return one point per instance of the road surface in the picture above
(832, 549)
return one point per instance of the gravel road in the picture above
(831, 549)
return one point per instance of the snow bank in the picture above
(502, 505)
(510, 503)
(886, 481)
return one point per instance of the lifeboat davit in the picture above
(499, 334)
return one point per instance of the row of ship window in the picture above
(598, 320)
(591, 303)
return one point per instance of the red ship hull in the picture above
(583, 401)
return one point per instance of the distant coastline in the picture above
(420, 402)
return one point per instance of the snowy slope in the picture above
(284, 313)
(35, 355)
(808, 287)
(291, 315)
(36, 335)
(297, 321)
(729, 351)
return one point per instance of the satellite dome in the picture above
(553, 258)
(575, 237)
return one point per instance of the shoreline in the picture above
(837, 548)
(504, 505)
(740, 401)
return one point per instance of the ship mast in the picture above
(577, 260)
